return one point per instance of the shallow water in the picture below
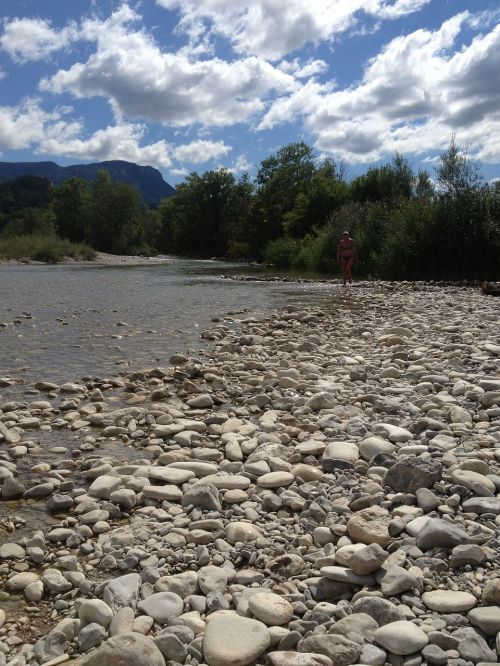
(69, 321)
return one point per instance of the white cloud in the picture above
(418, 90)
(241, 165)
(198, 152)
(271, 30)
(120, 142)
(303, 70)
(29, 39)
(179, 172)
(144, 83)
(24, 125)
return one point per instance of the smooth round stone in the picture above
(95, 610)
(449, 601)
(130, 649)
(231, 640)
(235, 496)
(275, 479)
(487, 618)
(11, 551)
(288, 658)
(370, 446)
(104, 485)
(170, 475)
(21, 580)
(401, 637)
(482, 505)
(2, 617)
(393, 433)
(478, 483)
(240, 532)
(162, 606)
(270, 609)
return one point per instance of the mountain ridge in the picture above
(146, 179)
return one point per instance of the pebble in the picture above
(315, 491)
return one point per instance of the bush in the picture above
(50, 249)
(282, 252)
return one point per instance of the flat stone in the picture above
(344, 575)
(169, 493)
(339, 455)
(393, 433)
(449, 601)
(231, 640)
(487, 618)
(162, 606)
(479, 484)
(288, 658)
(270, 609)
(170, 475)
(482, 505)
(11, 551)
(401, 638)
(22, 580)
(275, 479)
(437, 533)
(240, 532)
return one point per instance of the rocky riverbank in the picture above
(101, 259)
(322, 489)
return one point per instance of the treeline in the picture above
(406, 225)
(102, 214)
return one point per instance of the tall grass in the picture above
(47, 248)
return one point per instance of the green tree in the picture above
(457, 174)
(72, 208)
(327, 192)
(116, 212)
(280, 179)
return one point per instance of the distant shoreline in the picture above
(101, 259)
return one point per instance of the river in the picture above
(61, 323)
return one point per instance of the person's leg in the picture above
(348, 268)
(343, 264)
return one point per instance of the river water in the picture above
(61, 323)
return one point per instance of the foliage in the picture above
(37, 247)
(292, 216)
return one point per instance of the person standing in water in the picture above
(347, 254)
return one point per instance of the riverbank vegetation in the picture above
(407, 225)
(48, 249)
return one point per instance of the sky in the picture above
(195, 85)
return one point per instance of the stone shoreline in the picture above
(101, 259)
(322, 489)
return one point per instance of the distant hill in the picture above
(147, 180)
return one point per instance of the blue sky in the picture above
(192, 85)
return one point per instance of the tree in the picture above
(72, 205)
(200, 218)
(457, 174)
(327, 192)
(115, 216)
(280, 179)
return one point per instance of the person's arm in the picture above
(338, 253)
